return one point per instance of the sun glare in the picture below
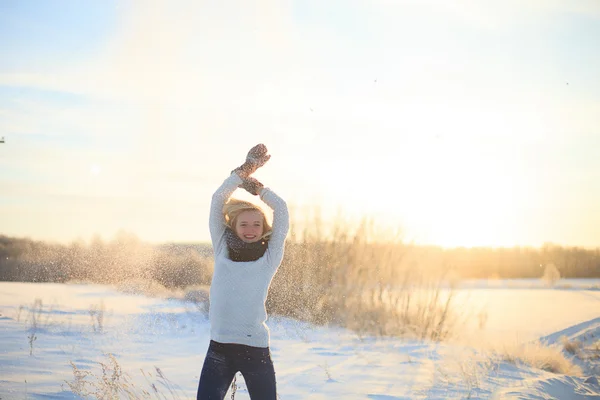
(95, 170)
(439, 189)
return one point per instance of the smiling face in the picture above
(249, 226)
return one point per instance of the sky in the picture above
(466, 123)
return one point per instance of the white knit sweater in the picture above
(238, 291)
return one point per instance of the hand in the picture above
(252, 185)
(257, 156)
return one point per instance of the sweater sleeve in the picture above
(216, 220)
(281, 225)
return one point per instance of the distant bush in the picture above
(551, 274)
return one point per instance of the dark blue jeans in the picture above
(224, 360)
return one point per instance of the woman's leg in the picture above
(259, 374)
(216, 376)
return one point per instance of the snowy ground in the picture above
(83, 323)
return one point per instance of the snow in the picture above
(82, 324)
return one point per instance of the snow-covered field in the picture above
(82, 324)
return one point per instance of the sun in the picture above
(95, 170)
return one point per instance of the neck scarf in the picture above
(242, 251)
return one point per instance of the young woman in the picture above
(247, 253)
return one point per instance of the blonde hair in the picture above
(234, 207)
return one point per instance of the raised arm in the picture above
(216, 220)
(281, 224)
(256, 158)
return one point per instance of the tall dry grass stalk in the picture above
(362, 278)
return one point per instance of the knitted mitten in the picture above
(252, 185)
(256, 158)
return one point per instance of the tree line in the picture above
(123, 258)
(178, 265)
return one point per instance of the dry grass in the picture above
(594, 350)
(468, 370)
(36, 319)
(539, 356)
(571, 346)
(113, 383)
(97, 315)
(365, 280)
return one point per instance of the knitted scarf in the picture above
(242, 251)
